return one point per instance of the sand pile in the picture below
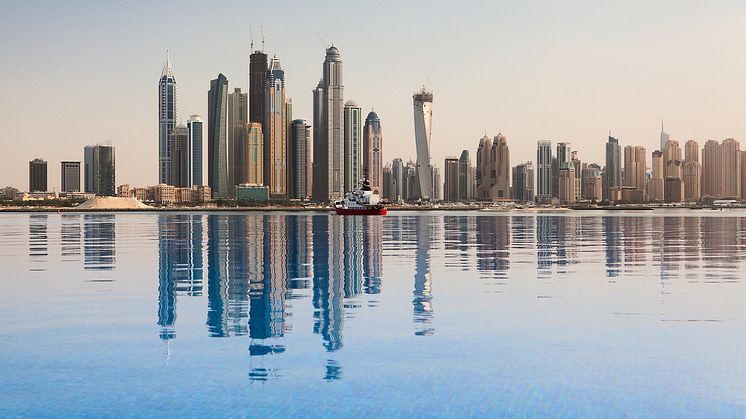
(113, 203)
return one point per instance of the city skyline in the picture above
(524, 113)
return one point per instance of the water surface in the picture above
(427, 314)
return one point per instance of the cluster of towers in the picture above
(673, 176)
(253, 140)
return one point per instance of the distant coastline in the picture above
(278, 208)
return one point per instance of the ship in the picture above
(361, 201)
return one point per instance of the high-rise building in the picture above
(613, 173)
(353, 140)
(398, 177)
(656, 184)
(194, 126)
(254, 154)
(523, 182)
(732, 168)
(672, 159)
(423, 116)
(299, 160)
(373, 152)
(238, 117)
(436, 182)
(388, 182)
(257, 78)
(544, 171)
(37, 175)
(483, 176)
(500, 160)
(635, 166)
(664, 137)
(451, 184)
(691, 151)
(275, 130)
(593, 183)
(692, 180)
(180, 158)
(567, 183)
(70, 176)
(465, 181)
(578, 175)
(217, 148)
(166, 119)
(100, 169)
(328, 147)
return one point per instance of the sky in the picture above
(75, 73)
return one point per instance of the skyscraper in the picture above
(484, 178)
(217, 149)
(194, 126)
(731, 168)
(437, 195)
(567, 184)
(299, 160)
(37, 175)
(255, 154)
(100, 170)
(691, 151)
(423, 116)
(373, 152)
(635, 166)
(328, 146)
(70, 176)
(664, 137)
(613, 174)
(544, 171)
(353, 157)
(451, 184)
(238, 117)
(257, 78)
(398, 177)
(523, 182)
(656, 184)
(275, 130)
(692, 181)
(180, 157)
(166, 119)
(465, 181)
(500, 160)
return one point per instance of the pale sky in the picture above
(80, 72)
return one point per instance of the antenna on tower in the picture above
(261, 28)
(662, 130)
(251, 37)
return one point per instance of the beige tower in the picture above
(634, 167)
(500, 159)
(483, 170)
(656, 182)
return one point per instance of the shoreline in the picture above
(485, 210)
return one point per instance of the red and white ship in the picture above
(361, 201)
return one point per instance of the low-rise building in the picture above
(247, 192)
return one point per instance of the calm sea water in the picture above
(413, 314)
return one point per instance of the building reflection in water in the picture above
(328, 279)
(422, 302)
(99, 235)
(70, 233)
(38, 241)
(372, 254)
(493, 245)
(180, 270)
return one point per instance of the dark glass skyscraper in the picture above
(194, 125)
(70, 176)
(613, 173)
(257, 78)
(37, 175)
(166, 120)
(180, 157)
(100, 174)
(217, 149)
(299, 160)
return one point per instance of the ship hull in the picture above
(361, 211)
